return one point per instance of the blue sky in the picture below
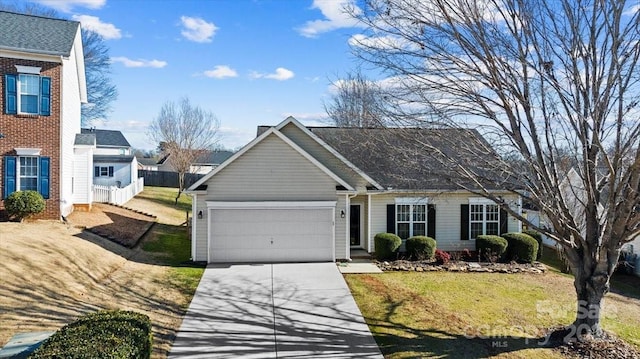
(251, 62)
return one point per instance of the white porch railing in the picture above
(115, 195)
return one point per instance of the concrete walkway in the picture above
(302, 310)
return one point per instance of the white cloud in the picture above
(335, 15)
(196, 29)
(139, 63)
(381, 42)
(632, 10)
(68, 5)
(93, 23)
(221, 72)
(281, 74)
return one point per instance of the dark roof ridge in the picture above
(39, 16)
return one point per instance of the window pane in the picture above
(28, 104)
(476, 230)
(419, 229)
(492, 212)
(28, 184)
(30, 84)
(419, 214)
(492, 228)
(476, 213)
(104, 171)
(28, 173)
(403, 230)
(403, 213)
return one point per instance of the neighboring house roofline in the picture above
(322, 143)
(257, 140)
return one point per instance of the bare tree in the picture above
(185, 131)
(101, 91)
(554, 85)
(357, 102)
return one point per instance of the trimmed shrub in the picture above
(442, 257)
(491, 247)
(103, 334)
(387, 245)
(23, 204)
(421, 247)
(538, 237)
(522, 247)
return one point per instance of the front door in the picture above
(354, 224)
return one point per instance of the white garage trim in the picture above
(270, 204)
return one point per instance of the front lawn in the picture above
(477, 315)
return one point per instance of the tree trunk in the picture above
(590, 289)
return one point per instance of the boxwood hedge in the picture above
(522, 247)
(103, 334)
(387, 245)
(538, 237)
(489, 245)
(22, 204)
(421, 247)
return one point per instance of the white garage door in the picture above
(271, 235)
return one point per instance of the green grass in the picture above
(166, 196)
(170, 245)
(480, 315)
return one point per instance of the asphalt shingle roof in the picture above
(36, 34)
(87, 139)
(109, 138)
(414, 158)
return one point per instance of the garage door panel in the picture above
(271, 235)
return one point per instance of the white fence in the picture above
(115, 195)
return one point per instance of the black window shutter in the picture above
(391, 218)
(431, 221)
(464, 222)
(504, 225)
(110, 171)
(96, 171)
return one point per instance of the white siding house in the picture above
(304, 194)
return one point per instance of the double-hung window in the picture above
(411, 217)
(27, 92)
(483, 218)
(103, 171)
(26, 172)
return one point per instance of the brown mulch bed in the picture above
(118, 224)
(608, 347)
(461, 266)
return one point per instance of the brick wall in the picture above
(33, 131)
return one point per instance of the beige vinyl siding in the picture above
(323, 155)
(341, 228)
(200, 229)
(271, 171)
(447, 217)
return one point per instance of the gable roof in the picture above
(412, 158)
(107, 138)
(215, 157)
(270, 132)
(37, 34)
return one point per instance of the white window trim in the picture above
(412, 200)
(31, 70)
(24, 151)
(484, 203)
(19, 94)
(19, 176)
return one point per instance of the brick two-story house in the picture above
(42, 87)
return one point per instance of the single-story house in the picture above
(299, 193)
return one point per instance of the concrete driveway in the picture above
(298, 310)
